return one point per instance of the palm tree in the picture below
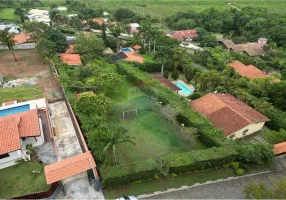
(155, 34)
(115, 136)
(7, 39)
(116, 31)
(145, 31)
(163, 55)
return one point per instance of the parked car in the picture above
(127, 198)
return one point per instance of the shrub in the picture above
(195, 95)
(235, 165)
(166, 74)
(175, 74)
(239, 171)
(199, 160)
(277, 117)
(113, 176)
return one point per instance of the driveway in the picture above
(67, 145)
(231, 188)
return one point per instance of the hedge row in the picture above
(211, 158)
(113, 176)
(151, 66)
(208, 134)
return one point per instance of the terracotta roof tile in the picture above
(71, 59)
(9, 135)
(7, 103)
(165, 82)
(227, 43)
(29, 123)
(137, 47)
(227, 112)
(279, 148)
(22, 38)
(132, 56)
(181, 35)
(69, 167)
(249, 71)
(98, 20)
(251, 48)
(80, 94)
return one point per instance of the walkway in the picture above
(67, 145)
(258, 139)
(231, 188)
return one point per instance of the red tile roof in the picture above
(80, 94)
(7, 103)
(9, 135)
(98, 20)
(132, 56)
(24, 124)
(22, 38)
(137, 47)
(69, 167)
(165, 82)
(71, 59)
(183, 34)
(279, 148)
(227, 112)
(249, 71)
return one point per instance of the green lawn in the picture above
(163, 184)
(266, 134)
(8, 13)
(19, 93)
(148, 57)
(19, 180)
(153, 133)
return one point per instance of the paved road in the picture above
(225, 189)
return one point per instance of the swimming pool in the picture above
(127, 49)
(185, 90)
(14, 110)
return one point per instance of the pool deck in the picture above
(191, 87)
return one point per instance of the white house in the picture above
(72, 15)
(20, 126)
(233, 116)
(10, 27)
(61, 9)
(39, 16)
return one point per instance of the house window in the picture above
(245, 131)
(6, 155)
(232, 136)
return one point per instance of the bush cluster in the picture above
(118, 175)
(211, 158)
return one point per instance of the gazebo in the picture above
(137, 48)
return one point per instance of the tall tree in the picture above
(37, 29)
(20, 12)
(155, 34)
(46, 48)
(116, 31)
(7, 39)
(57, 37)
(163, 55)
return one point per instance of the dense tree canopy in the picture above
(57, 37)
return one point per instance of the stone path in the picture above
(231, 188)
(67, 145)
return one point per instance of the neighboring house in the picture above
(39, 16)
(129, 55)
(100, 21)
(70, 50)
(133, 57)
(22, 38)
(249, 71)
(251, 48)
(18, 129)
(61, 9)
(72, 15)
(165, 82)
(183, 35)
(10, 27)
(225, 111)
(71, 59)
(279, 148)
(134, 27)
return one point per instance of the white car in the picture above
(127, 198)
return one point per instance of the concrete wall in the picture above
(252, 128)
(22, 46)
(11, 160)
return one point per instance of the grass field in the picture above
(152, 132)
(163, 184)
(19, 180)
(8, 13)
(19, 93)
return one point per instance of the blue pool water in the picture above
(127, 49)
(14, 110)
(185, 90)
